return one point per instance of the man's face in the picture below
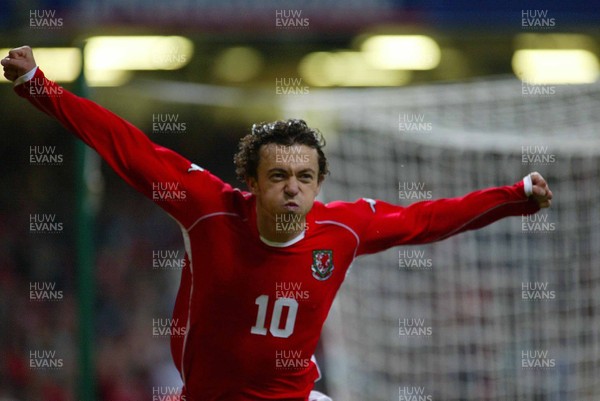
(287, 179)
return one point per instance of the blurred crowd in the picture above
(130, 361)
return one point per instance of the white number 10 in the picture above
(262, 302)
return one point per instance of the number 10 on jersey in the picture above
(275, 326)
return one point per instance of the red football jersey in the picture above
(252, 310)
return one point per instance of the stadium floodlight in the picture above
(347, 68)
(405, 52)
(61, 64)
(238, 64)
(566, 66)
(108, 59)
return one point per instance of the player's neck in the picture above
(281, 228)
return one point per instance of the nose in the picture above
(291, 188)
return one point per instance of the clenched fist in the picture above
(541, 191)
(18, 62)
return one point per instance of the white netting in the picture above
(462, 299)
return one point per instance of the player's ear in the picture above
(319, 183)
(252, 184)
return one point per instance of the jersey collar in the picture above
(294, 240)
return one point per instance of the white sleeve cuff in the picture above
(25, 77)
(528, 185)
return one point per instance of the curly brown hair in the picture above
(282, 132)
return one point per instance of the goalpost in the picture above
(508, 312)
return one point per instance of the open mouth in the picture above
(291, 206)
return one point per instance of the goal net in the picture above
(508, 312)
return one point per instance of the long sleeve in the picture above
(429, 221)
(159, 173)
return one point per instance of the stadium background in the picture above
(477, 42)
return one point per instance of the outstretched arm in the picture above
(430, 221)
(140, 162)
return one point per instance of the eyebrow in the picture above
(279, 169)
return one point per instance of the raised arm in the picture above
(430, 221)
(149, 168)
